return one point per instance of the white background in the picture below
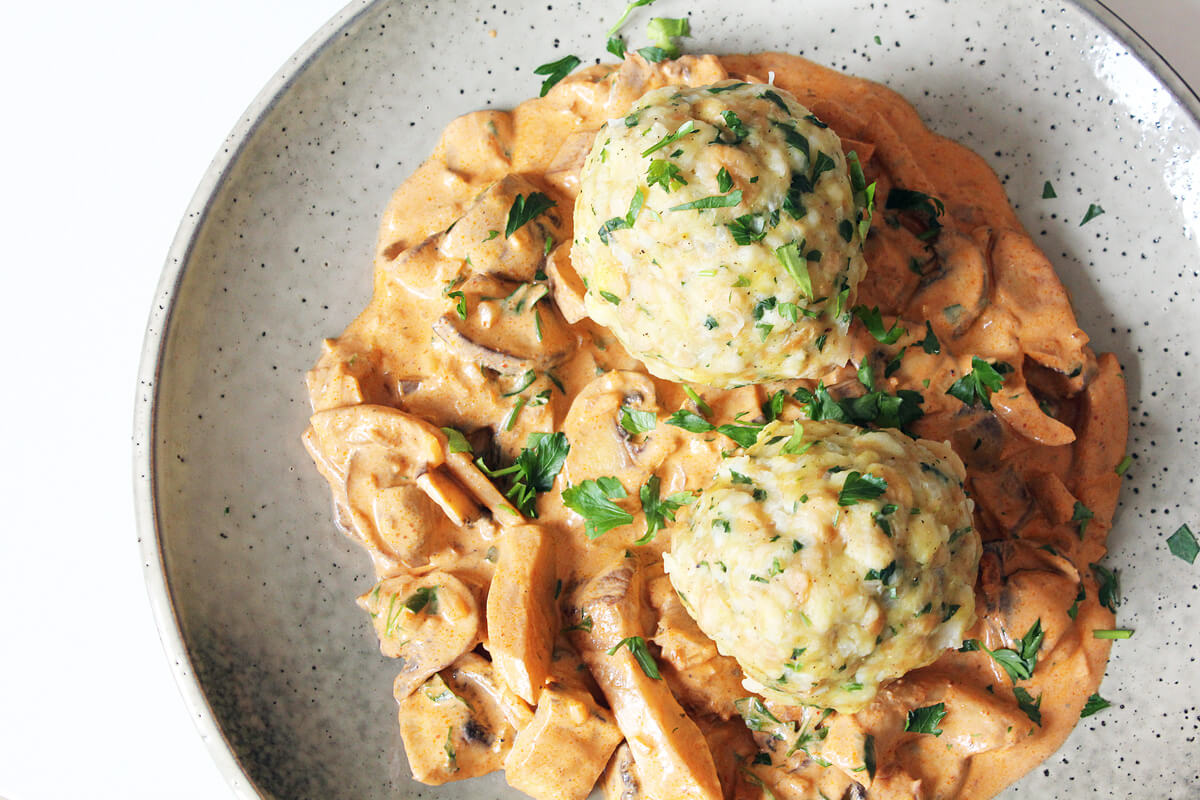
(114, 111)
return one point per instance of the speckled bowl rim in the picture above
(145, 418)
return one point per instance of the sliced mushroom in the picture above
(599, 444)
(372, 455)
(450, 497)
(956, 291)
(621, 780)
(506, 329)
(563, 172)
(522, 617)
(478, 146)
(705, 681)
(672, 756)
(426, 621)
(470, 476)
(479, 236)
(1027, 286)
(344, 376)
(459, 724)
(565, 284)
(423, 270)
(1018, 407)
(562, 751)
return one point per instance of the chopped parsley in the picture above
(876, 407)
(456, 442)
(864, 195)
(664, 30)
(555, 71)
(744, 435)
(873, 320)
(686, 129)
(796, 266)
(755, 714)
(451, 754)
(1124, 466)
(525, 209)
(869, 755)
(592, 500)
(627, 221)
(1108, 587)
(616, 46)
(925, 206)
(422, 598)
(777, 100)
(736, 126)
(1182, 544)
(884, 575)
(460, 307)
(926, 719)
(1018, 663)
(1081, 516)
(748, 228)
(610, 297)
(666, 174)
(1031, 707)
(795, 445)
(1119, 633)
(930, 343)
(861, 486)
(703, 407)
(712, 201)
(637, 648)
(1094, 703)
(625, 14)
(1092, 212)
(635, 421)
(659, 510)
(1048, 192)
(724, 180)
(525, 382)
(534, 470)
(976, 386)
(690, 421)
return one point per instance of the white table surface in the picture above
(114, 112)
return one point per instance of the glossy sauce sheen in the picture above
(429, 519)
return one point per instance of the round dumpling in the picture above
(719, 237)
(829, 560)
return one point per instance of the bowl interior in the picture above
(279, 256)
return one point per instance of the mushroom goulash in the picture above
(717, 431)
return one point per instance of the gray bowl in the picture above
(252, 586)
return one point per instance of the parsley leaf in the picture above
(869, 755)
(425, 596)
(635, 421)
(525, 209)
(724, 180)
(555, 72)
(755, 714)
(591, 499)
(797, 267)
(873, 321)
(1108, 587)
(748, 228)
(1094, 703)
(861, 486)
(659, 510)
(926, 719)
(653, 54)
(534, 470)
(666, 174)
(690, 421)
(1048, 192)
(736, 127)
(1019, 663)
(795, 445)
(1182, 544)
(930, 343)
(1031, 707)
(929, 208)
(1081, 516)
(744, 435)
(637, 648)
(664, 30)
(978, 384)
(864, 195)
(712, 201)
(703, 407)
(616, 46)
(456, 442)
(686, 129)
(1092, 212)
(627, 221)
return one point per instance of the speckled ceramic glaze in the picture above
(253, 586)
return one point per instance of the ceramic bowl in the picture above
(254, 588)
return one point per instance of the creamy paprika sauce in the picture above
(453, 413)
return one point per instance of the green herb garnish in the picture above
(637, 648)
(926, 719)
(861, 486)
(555, 71)
(659, 510)
(976, 386)
(592, 500)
